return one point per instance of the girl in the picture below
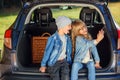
(84, 50)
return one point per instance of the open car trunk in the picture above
(31, 47)
(32, 43)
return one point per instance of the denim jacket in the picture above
(53, 50)
(82, 47)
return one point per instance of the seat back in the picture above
(87, 15)
(43, 16)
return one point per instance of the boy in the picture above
(57, 55)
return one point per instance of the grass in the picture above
(115, 10)
(7, 17)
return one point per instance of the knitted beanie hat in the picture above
(62, 21)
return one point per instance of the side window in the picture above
(97, 18)
(32, 18)
(70, 11)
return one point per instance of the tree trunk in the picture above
(1, 4)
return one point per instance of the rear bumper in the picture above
(24, 77)
(11, 76)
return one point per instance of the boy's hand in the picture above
(100, 35)
(42, 69)
(97, 65)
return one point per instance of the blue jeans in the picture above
(59, 71)
(77, 66)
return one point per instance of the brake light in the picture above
(7, 38)
(118, 39)
(118, 33)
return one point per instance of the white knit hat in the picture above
(62, 21)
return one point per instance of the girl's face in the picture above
(83, 30)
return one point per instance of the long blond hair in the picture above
(76, 26)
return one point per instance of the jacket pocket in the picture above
(57, 44)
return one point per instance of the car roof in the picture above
(34, 2)
(68, 1)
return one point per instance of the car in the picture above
(25, 39)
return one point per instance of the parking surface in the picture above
(4, 69)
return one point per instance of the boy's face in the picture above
(66, 29)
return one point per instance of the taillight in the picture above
(118, 33)
(7, 38)
(118, 39)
